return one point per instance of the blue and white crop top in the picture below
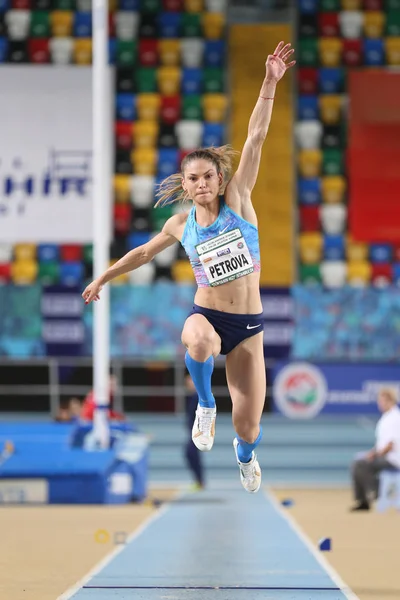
(224, 251)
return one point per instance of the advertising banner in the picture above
(278, 322)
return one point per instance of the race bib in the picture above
(225, 257)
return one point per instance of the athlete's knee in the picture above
(199, 343)
(247, 429)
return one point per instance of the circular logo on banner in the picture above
(300, 391)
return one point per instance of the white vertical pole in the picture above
(101, 215)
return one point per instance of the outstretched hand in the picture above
(276, 65)
(92, 292)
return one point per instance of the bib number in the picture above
(225, 257)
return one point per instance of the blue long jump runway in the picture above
(216, 545)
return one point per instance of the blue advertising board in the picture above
(302, 390)
(278, 321)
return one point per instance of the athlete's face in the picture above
(201, 181)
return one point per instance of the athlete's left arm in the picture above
(240, 187)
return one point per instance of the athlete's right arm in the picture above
(135, 258)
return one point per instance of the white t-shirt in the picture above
(388, 430)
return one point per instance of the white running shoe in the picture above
(203, 431)
(250, 473)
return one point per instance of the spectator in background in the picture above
(192, 454)
(89, 403)
(384, 456)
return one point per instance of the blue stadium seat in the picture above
(3, 49)
(380, 253)
(192, 81)
(82, 25)
(214, 53)
(112, 50)
(308, 108)
(48, 252)
(168, 161)
(396, 273)
(334, 247)
(331, 80)
(72, 273)
(308, 6)
(129, 5)
(213, 134)
(5, 5)
(169, 24)
(138, 238)
(309, 191)
(374, 52)
(126, 107)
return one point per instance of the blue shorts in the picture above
(231, 328)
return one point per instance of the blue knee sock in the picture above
(201, 373)
(245, 449)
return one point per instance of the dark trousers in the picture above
(365, 475)
(192, 454)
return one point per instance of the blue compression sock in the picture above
(201, 373)
(245, 449)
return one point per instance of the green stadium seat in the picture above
(146, 80)
(192, 107)
(310, 274)
(308, 52)
(393, 23)
(191, 25)
(213, 80)
(126, 53)
(40, 24)
(159, 216)
(49, 273)
(332, 162)
(150, 6)
(330, 5)
(88, 254)
(64, 5)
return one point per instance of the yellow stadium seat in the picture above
(393, 50)
(330, 52)
(112, 5)
(169, 52)
(310, 162)
(146, 134)
(194, 6)
(169, 80)
(330, 108)
(213, 25)
(83, 51)
(352, 4)
(310, 245)
(214, 107)
(120, 279)
(359, 272)
(144, 161)
(122, 189)
(333, 188)
(24, 272)
(25, 251)
(182, 271)
(374, 22)
(61, 23)
(148, 106)
(356, 251)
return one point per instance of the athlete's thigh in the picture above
(198, 328)
(245, 374)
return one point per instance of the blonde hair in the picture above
(389, 393)
(170, 190)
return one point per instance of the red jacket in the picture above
(89, 406)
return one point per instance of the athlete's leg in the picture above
(245, 373)
(203, 344)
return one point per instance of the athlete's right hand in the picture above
(92, 292)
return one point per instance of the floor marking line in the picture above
(210, 587)
(345, 589)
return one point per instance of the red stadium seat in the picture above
(124, 134)
(396, 252)
(122, 218)
(352, 52)
(111, 25)
(21, 4)
(148, 52)
(309, 218)
(328, 24)
(71, 253)
(373, 4)
(5, 272)
(308, 81)
(172, 5)
(382, 274)
(38, 50)
(170, 109)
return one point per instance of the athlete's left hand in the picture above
(276, 65)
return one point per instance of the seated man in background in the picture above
(385, 455)
(89, 404)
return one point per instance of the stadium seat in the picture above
(382, 275)
(189, 134)
(146, 80)
(72, 273)
(333, 218)
(352, 53)
(47, 253)
(25, 252)
(125, 81)
(84, 5)
(126, 54)
(112, 51)
(71, 252)
(331, 80)
(310, 162)
(331, 137)
(380, 253)
(192, 80)
(192, 51)
(308, 52)
(82, 51)
(307, 108)
(393, 23)
(122, 218)
(172, 5)
(392, 46)
(309, 218)
(333, 273)
(5, 273)
(307, 25)
(213, 134)
(24, 272)
(124, 135)
(396, 273)
(192, 107)
(149, 25)
(145, 134)
(310, 247)
(332, 161)
(194, 6)
(159, 216)
(150, 6)
(214, 53)
(374, 4)
(6, 252)
(213, 25)
(169, 25)
(144, 161)
(328, 24)
(374, 52)
(123, 162)
(169, 52)
(142, 190)
(215, 106)
(122, 188)
(308, 134)
(40, 24)
(49, 273)
(17, 51)
(148, 52)
(125, 107)
(310, 274)
(3, 49)
(216, 6)
(38, 51)
(169, 80)
(61, 50)
(167, 137)
(351, 24)
(182, 272)
(309, 191)
(308, 6)
(333, 188)
(359, 273)
(170, 109)
(166, 257)
(82, 25)
(396, 252)
(148, 106)
(357, 251)
(17, 22)
(126, 25)
(334, 247)
(307, 79)
(374, 23)
(19, 5)
(330, 51)
(64, 5)
(61, 23)
(213, 80)
(330, 107)
(168, 162)
(352, 4)
(144, 275)
(138, 238)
